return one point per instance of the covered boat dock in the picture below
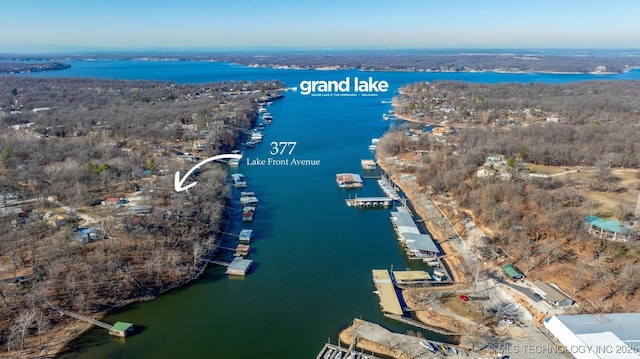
(367, 202)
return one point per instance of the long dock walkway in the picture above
(387, 292)
(418, 324)
(85, 319)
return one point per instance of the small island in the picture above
(19, 67)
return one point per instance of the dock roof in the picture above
(410, 234)
(239, 266)
(420, 242)
(122, 326)
(403, 219)
(411, 275)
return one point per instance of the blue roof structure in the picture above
(611, 225)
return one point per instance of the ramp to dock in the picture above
(86, 319)
(386, 291)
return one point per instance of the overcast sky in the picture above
(73, 25)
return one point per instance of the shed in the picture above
(512, 272)
(121, 329)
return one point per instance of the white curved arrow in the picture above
(178, 182)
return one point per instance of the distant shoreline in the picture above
(425, 61)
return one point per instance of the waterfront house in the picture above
(608, 229)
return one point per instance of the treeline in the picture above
(424, 62)
(597, 122)
(403, 60)
(78, 141)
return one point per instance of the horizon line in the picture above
(207, 50)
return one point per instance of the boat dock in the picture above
(330, 351)
(239, 266)
(242, 250)
(388, 187)
(411, 277)
(120, 329)
(368, 164)
(387, 292)
(349, 180)
(416, 244)
(245, 235)
(367, 202)
(418, 324)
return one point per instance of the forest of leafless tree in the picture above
(79, 141)
(539, 223)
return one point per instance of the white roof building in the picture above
(598, 336)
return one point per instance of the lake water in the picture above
(313, 254)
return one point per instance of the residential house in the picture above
(551, 294)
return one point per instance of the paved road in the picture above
(524, 290)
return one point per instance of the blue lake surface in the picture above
(314, 254)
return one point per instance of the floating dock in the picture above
(349, 180)
(239, 266)
(411, 277)
(389, 188)
(368, 165)
(245, 235)
(242, 250)
(366, 202)
(386, 291)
